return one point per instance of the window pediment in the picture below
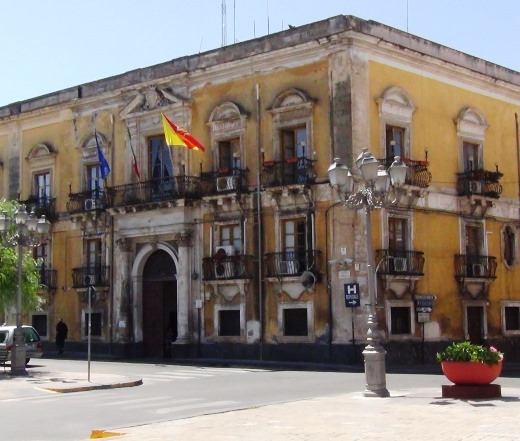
(42, 154)
(396, 105)
(471, 123)
(151, 98)
(88, 147)
(292, 104)
(227, 118)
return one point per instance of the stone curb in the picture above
(88, 387)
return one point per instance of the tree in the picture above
(9, 270)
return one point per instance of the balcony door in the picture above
(42, 184)
(395, 141)
(160, 168)
(471, 156)
(295, 242)
(398, 244)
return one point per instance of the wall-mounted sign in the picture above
(352, 297)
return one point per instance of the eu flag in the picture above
(103, 163)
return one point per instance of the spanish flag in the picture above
(176, 137)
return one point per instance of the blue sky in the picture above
(51, 45)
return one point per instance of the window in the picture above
(228, 155)
(94, 255)
(395, 141)
(471, 157)
(231, 235)
(229, 322)
(96, 329)
(41, 255)
(400, 319)
(474, 238)
(39, 322)
(509, 245)
(160, 164)
(510, 317)
(397, 234)
(295, 240)
(42, 186)
(295, 322)
(294, 141)
(94, 181)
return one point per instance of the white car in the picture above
(33, 343)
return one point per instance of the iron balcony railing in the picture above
(417, 174)
(400, 262)
(467, 265)
(479, 182)
(42, 206)
(227, 267)
(289, 172)
(48, 279)
(154, 190)
(97, 276)
(292, 263)
(91, 200)
(225, 180)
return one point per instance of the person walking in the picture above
(61, 335)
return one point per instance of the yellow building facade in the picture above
(244, 250)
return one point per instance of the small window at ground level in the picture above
(96, 328)
(512, 318)
(295, 322)
(39, 322)
(400, 320)
(229, 322)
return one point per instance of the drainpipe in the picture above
(517, 162)
(259, 223)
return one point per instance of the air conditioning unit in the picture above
(90, 280)
(90, 204)
(400, 264)
(228, 249)
(226, 183)
(478, 270)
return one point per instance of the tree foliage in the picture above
(9, 270)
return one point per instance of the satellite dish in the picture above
(308, 279)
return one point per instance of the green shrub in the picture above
(466, 351)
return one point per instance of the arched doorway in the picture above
(159, 303)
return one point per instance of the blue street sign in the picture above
(352, 298)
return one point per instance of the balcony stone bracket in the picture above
(101, 295)
(399, 286)
(278, 197)
(226, 289)
(476, 288)
(411, 196)
(476, 205)
(292, 286)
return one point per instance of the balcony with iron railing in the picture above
(292, 171)
(48, 279)
(98, 276)
(480, 182)
(91, 200)
(221, 267)
(223, 181)
(154, 191)
(474, 266)
(42, 206)
(400, 262)
(417, 174)
(292, 263)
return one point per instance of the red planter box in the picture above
(470, 372)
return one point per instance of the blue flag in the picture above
(103, 164)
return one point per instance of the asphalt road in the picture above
(172, 392)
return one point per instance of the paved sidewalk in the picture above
(415, 414)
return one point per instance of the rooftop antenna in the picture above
(234, 21)
(268, 17)
(406, 15)
(224, 42)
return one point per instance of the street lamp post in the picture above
(376, 187)
(22, 230)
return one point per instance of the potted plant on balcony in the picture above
(465, 363)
